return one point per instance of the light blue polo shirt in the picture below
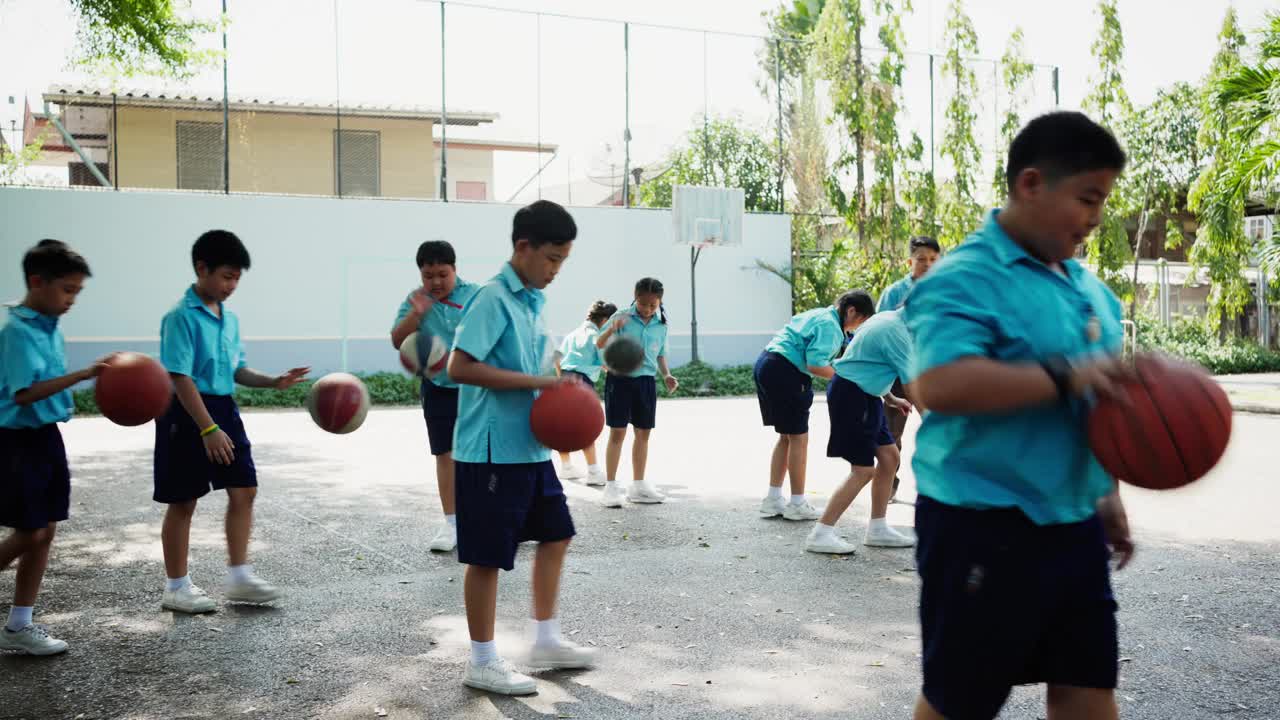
(651, 335)
(197, 343)
(811, 339)
(989, 298)
(442, 320)
(896, 294)
(578, 351)
(501, 326)
(879, 353)
(31, 351)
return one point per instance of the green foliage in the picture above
(838, 51)
(724, 153)
(12, 164)
(790, 27)
(129, 37)
(1189, 339)
(958, 208)
(1015, 71)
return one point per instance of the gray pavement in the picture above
(1259, 392)
(702, 609)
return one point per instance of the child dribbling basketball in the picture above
(632, 398)
(579, 358)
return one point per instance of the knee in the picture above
(182, 509)
(241, 497)
(617, 435)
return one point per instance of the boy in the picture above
(925, 251)
(35, 395)
(1015, 515)
(784, 375)
(857, 399)
(507, 488)
(200, 440)
(435, 309)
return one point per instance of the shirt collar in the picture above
(45, 322)
(192, 300)
(517, 287)
(1008, 251)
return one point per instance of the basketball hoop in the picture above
(704, 217)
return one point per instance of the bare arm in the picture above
(254, 379)
(978, 385)
(467, 370)
(826, 372)
(185, 388)
(608, 331)
(557, 360)
(48, 388)
(405, 327)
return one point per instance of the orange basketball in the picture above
(338, 403)
(1175, 432)
(133, 389)
(567, 417)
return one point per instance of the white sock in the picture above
(877, 525)
(483, 653)
(239, 573)
(797, 499)
(638, 482)
(452, 520)
(594, 468)
(775, 493)
(19, 617)
(177, 583)
(610, 484)
(546, 632)
(823, 530)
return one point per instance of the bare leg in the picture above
(31, 567)
(175, 538)
(882, 479)
(564, 460)
(589, 452)
(444, 482)
(547, 565)
(797, 462)
(1076, 703)
(778, 462)
(613, 452)
(239, 523)
(925, 711)
(858, 478)
(14, 546)
(480, 594)
(639, 453)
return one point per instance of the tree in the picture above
(1015, 71)
(958, 209)
(1109, 104)
(788, 57)
(724, 153)
(127, 37)
(838, 50)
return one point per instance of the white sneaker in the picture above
(888, 537)
(32, 640)
(611, 497)
(644, 493)
(829, 543)
(595, 478)
(803, 511)
(189, 599)
(252, 590)
(445, 540)
(571, 472)
(772, 507)
(564, 656)
(497, 676)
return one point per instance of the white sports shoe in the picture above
(189, 599)
(611, 497)
(595, 478)
(803, 511)
(252, 590)
(497, 676)
(829, 543)
(32, 640)
(445, 540)
(888, 537)
(644, 493)
(571, 472)
(564, 656)
(772, 507)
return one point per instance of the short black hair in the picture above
(859, 300)
(52, 259)
(924, 241)
(543, 223)
(436, 252)
(601, 310)
(1062, 144)
(217, 248)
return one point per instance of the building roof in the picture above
(190, 100)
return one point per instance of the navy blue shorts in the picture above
(440, 410)
(630, 401)
(785, 394)
(183, 471)
(501, 506)
(35, 483)
(1007, 602)
(858, 424)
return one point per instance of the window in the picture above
(356, 156)
(471, 190)
(199, 156)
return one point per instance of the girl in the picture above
(578, 356)
(633, 398)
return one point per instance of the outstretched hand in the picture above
(290, 378)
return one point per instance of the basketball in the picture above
(338, 403)
(1176, 431)
(623, 355)
(133, 389)
(567, 417)
(423, 354)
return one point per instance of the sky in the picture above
(561, 80)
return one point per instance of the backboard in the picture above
(707, 216)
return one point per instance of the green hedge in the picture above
(1191, 340)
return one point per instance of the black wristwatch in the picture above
(1059, 370)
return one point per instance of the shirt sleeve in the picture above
(826, 342)
(482, 326)
(950, 315)
(405, 307)
(177, 345)
(22, 362)
(887, 300)
(666, 333)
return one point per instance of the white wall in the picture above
(327, 268)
